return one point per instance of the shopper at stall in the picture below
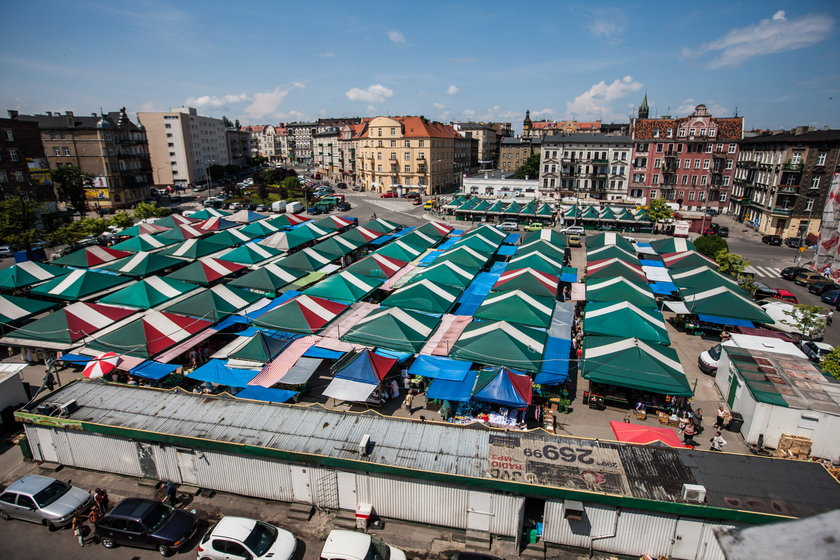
(717, 442)
(688, 434)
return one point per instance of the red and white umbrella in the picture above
(100, 365)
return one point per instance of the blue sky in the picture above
(265, 62)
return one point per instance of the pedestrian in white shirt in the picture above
(718, 442)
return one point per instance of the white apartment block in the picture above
(586, 165)
(183, 144)
(263, 141)
(326, 154)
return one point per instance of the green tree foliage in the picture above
(70, 182)
(18, 219)
(145, 210)
(658, 210)
(258, 160)
(530, 169)
(291, 185)
(72, 232)
(733, 264)
(227, 122)
(261, 187)
(121, 220)
(216, 171)
(711, 245)
(808, 320)
(831, 363)
(231, 169)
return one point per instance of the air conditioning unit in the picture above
(363, 445)
(694, 493)
(47, 408)
(67, 408)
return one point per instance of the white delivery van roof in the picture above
(764, 344)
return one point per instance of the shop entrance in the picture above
(531, 522)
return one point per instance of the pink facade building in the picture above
(688, 160)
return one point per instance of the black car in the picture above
(314, 211)
(794, 242)
(772, 239)
(343, 206)
(341, 185)
(143, 523)
(819, 288)
(791, 272)
(723, 231)
(763, 291)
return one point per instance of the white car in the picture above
(349, 545)
(240, 537)
(508, 226)
(708, 360)
(573, 230)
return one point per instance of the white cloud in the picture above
(371, 109)
(439, 106)
(452, 90)
(769, 36)
(267, 103)
(396, 36)
(609, 28)
(444, 116)
(377, 93)
(596, 102)
(543, 112)
(468, 113)
(216, 100)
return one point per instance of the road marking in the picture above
(768, 271)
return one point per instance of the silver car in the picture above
(44, 500)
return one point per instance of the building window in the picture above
(656, 133)
(638, 177)
(3, 177)
(694, 180)
(732, 148)
(684, 180)
(657, 163)
(407, 169)
(726, 180)
(10, 136)
(711, 132)
(379, 167)
(691, 195)
(809, 205)
(701, 195)
(66, 151)
(56, 151)
(728, 164)
(655, 179)
(821, 158)
(703, 180)
(815, 181)
(706, 163)
(669, 132)
(708, 148)
(13, 155)
(692, 131)
(421, 143)
(687, 164)
(19, 176)
(653, 194)
(408, 143)
(659, 148)
(682, 132)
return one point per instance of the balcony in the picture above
(781, 211)
(788, 188)
(792, 167)
(748, 163)
(421, 158)
(421, 169)
(601, 161)
(393, 158)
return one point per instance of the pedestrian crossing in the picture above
(767, 271)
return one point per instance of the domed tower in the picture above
(526, 124)
(644, 110)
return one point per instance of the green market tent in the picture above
(545, 211)
(619, 289)
(447, 273)
(502, 344)
(392, 328)
(143, 264)
(687, 259)
(467, 206)
(590, 213)
(518, 307)
(215, 303)
(361, 235)
(208, 213)
(606, 238)
(269, 277)
(250, 253)
(489, 232)
(150, 335)
(138, 229)
(287, 220)
(259, 348)
(572, 213)
(547, 235)
(624, 215)
(608, 215)
(303, 314)
(538, 261)
(612, 252)
(635, 364)
(195, 248)
(345, 287)
(27, 273)
(216, 224)
(702, 277)
(672, 245)
(548, 249)
(260, 229)
(481, 207)
(289, 240)
(316, 231)
(642, 216)
(309, 259)
(91, 256)
(377, 266)
(79, 284)
(478, 243)
(245, 216)
(723, 302)
(173, 220)
(464, 257)
(623, 319)
(206, 271)
(513, 209)
(149, 292)
(424, 295)
(333, 223)
(182, 233)
(529, 210)
(613, 268)
(338, 246)
(419, 240)
(400, 250)
(497, 208)
(143, 242)
(529, 280)
(66, 327)
(14, 309)
(231, 237)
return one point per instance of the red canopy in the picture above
(637, 433)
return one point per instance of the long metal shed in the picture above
(614, 497)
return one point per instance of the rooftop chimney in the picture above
(12, 114)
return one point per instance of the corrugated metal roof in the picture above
(735, 482)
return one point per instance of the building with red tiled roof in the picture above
(542, 129)
(688, 160)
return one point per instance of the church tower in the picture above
(526, 124)
(644, 110)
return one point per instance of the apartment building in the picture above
(325, 152)
(281, 145)
(263, 142)
(500, 184)
(239, 146)
(348, 148)
(688, 160)
(407, 154)
(299, 137)
(514, 151)
(110, 147)
(543, 129)
(488, 143)
(585, 165)
(24, 169)
(184, 145)
(782, 180)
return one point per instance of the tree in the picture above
(734, 265)
(237, 125)
(227, 122)
(71, 187)
(216, 171)
(121, 220)
(261, 186)
(144, 210)
(711, 245)
(291, 185)
(257, 161)
(231, 169)
(529, 169)
(658, 211)
(18, 218)
(808, 320)
(831, 363)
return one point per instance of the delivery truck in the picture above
(294, 207)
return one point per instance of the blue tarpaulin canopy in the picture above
(725, 321)
(503, 386)
(77, 359)
(151, 369)
(439, 367)
(446, 245)
(476, 292)
(512, 239)
(663, 288)
(555, 366)
(316, 352)
(447, 390)
(644, 262)
(506, 250)
(257, 393)
(568, 274)
(428, 259)
(215, 371)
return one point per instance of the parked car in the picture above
(819, 288)
(508, 226)
(791, 272)
(810, 277)
(350, 545)
(573, 230)
(388, 194)
(723, 231)
(785, 295)
(772, 239)
(417, 202)
(314, 211)
(357, 188)
(5, 251)
(341, 185)
(831, 297)
(343, 206)
(815, 350)
(240, 537)
(534, 226)
(795, 242)
(573, 240)
(142, 523)
(708, 360)
(764, 291)
(44, 500)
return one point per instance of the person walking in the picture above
(688, 434)
(829, 317)
(78, 526)
(171, 492)
(717, 442)
(100, 496)
(719, 417)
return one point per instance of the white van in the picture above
(350, 545)
(278, 206)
